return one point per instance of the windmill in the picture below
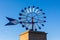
(31, 18)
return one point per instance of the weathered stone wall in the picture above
(32, 35)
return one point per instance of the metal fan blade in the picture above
(25, 8)
(33, 6)
(28, 6)
(41, 10)
(19, 18)
(42, 24)
(20, 22)
(44, 16)
(43, 13)
(22, 10)
(26, 28)
(38, 26)
(20, 14)
(37, 8)
(23, 25)
(35, 29)
(44, 21)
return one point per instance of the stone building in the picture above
(33, 35)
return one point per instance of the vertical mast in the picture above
(32, 24)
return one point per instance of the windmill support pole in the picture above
(32, 24)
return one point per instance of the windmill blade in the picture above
(26, 28)
(35, 29)
(38, 26)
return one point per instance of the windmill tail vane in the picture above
(11, 21)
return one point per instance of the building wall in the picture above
(24, 36)
(32, 35)
(37, 36)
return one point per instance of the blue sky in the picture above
(11, 8)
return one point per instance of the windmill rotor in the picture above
(31, 17)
